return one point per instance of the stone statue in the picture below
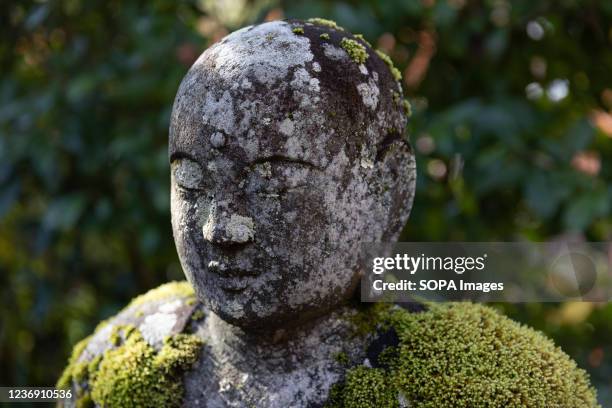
(287, 153)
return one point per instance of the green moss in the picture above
(370, 317)
(407, 107)
(325, 22)
(397, 75)
(93, 365)
(465, 355)
(362, 38)
(198, 315)
(342, 358)
(85, 402)
(364, 388)
(298, 30)
(115, 337)
(324, 36)
(134, 374)
(355, 50)
(170, 289)
(396, 98)
(65, 379)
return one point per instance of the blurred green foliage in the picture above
(511, 126)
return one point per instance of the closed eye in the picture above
(278, 175)
(187, 174)
(281, 159)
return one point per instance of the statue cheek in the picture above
(200, 212)
(189, 213)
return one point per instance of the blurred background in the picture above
(512, 126)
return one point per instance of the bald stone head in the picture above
(287, 153)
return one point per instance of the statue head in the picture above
(287, 153)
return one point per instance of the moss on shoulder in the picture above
(75, 368)
(134, 374)
(466, 355)
(167, 290)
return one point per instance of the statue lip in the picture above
(234, 284)
(230, 272)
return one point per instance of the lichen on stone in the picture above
(74, 366)
(324, 36)
(407, 107)
(198, 315)
(298, 30)
(387, 60)
(342, 358)
(355, 50)
(133, 373)
(170, 289)
(396, 97)
(465, 355)
(325, 22)
(362, 38)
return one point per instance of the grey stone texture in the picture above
(268, 224)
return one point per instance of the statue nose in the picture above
(226, 228)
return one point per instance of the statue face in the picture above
(262, 237)
(274, 183)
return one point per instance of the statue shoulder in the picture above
(462, 354)
(139, 355)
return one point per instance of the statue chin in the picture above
(251, 322)
(271, 317)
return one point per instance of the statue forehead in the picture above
(266, 90)
(265, 53)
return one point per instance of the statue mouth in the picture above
(234, 284)
(230, 277)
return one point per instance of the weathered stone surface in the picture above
(287, 153)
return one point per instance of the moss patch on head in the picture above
(407, 108)
(464, 355)
(362, 38)
(396, 98)
(324, 36)
(170, 289)
(397, 75)
(355, 50)
(134, 374)
(325, 22)
(298, 30)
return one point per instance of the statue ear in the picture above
(395, 181)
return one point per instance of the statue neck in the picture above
(319, 339)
